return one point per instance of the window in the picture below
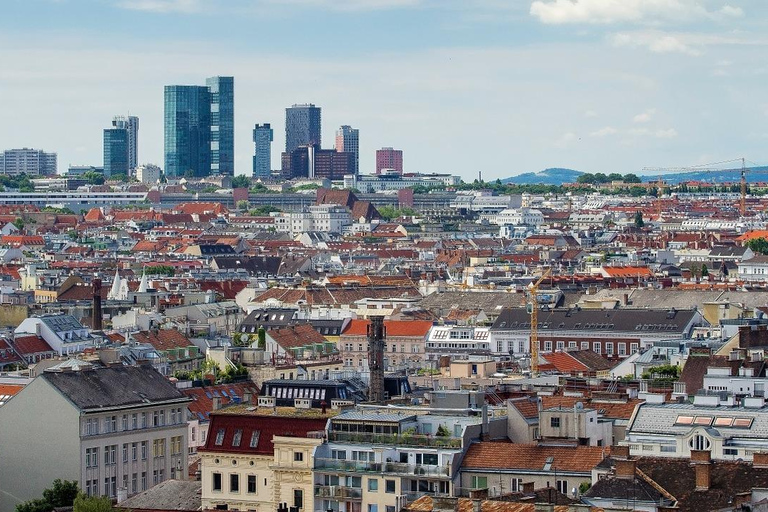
(429, 459)
(134, 450)
(609, 348)
(158, 448)
(548, 346)
(91, 457)
(730, 451)
(219, 437)
(584, 345)
(176, 445)
(110, 454)
(554, 422)
(254, 439)
(237, 437)
(517, 485)
(143, 420)
(143, 480)
(144, 450)
(298, 456)
(373, 484)
(479, 482)
(562, 486)
(134, 421)
(125, 452)
(135, 482)
(596, 347)
(252, 484)
(699, 442)
(125, 422)
(634, 347)
(298, 498)
(216, 484)
(110, 424)
(389, 486)
(622, 349)
(373, 507)
(234, 482)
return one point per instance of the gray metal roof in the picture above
(374, 415)
(662, 419)
(113, 387)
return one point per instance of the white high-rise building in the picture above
(348, 141)
(33, 162)
(131, 124)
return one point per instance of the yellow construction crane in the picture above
(708, 168)
(533, 309)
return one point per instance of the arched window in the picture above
(699, 442)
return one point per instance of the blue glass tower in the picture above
(116, 151)
(187, 131)
(262, 157)
(222, 91)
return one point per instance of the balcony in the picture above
(395, 439)
(338, 492)
(401, 468)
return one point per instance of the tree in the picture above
(442, 431)
(587, 178)
(758, 245)
(388, 212)
(636, 191)
(704, 270)
(241, 181)
(61, 494)
(264, 210)
(93, 178)
(639, 222)
(614, 176)
(632, 178)
(85, 503)
(19, 223)
(242, 205)
(120, 177)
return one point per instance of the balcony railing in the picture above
(338, 492)
(395, 439)
(354, 466)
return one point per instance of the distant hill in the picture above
(552, 176)
(754, 175)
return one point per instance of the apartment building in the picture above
(404, 347)
(119, 427)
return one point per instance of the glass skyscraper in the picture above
(116, 151)
(222, 89)
(348, 141)
(187, 131)
(262, 156)
(302, 126)
(200, 128)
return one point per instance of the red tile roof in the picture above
(202, 398)
(162, 339)
(26, 345)
(296, 336)
(504, 455)
(359, 327)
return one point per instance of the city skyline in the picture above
(581, 84)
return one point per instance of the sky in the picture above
(500, 87)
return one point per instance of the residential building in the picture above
(302, 127)
(259, 457)
(187, 131)
(116, 150)
(457, 342)
(348, 141)
(32, 162)
(262, 156)
(63, 333)
(369, 184)
(389, 158)
(148, 174)
(180, 353)
(121, 427)
(222, 138)
(520, 217)
(404, 344)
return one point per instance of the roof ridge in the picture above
(655, 485)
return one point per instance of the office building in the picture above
(389, 158)
(33, 162)
(348, 141)
(262, 156)
(131, 125)
(199, 128)
(222, 96)
(119, 427)
(116, 150)
(313, 162)
(302, 126)
(187, 131)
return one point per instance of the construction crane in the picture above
(707, 168)
(533, 310)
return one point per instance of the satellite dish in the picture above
(579, 406)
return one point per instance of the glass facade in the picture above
(222, 97)
(302, 126)
(187, 131)
(115, 151)
(262, 157)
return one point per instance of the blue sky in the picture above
(498, 86)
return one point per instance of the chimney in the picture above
(376, 340)
(700, 459)
(247, 397)
(625, 469)
(484, 435)
(760, 460)
(620, 452)
(96, 314)
(216, 403)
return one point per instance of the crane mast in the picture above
(533, 309)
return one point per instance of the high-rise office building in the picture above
(199, 128)
(262, 156)
(302, 126)
(389, 158)
(116, 150)
(312, 162)
(187, 131)
(348, 141)
(222, 90)
(33, 162)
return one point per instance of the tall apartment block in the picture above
(262, 156)
(222, 94)
(389, 158)
(131, 125)
(302, 126)
(116, 150)
(348, 141)
(33, 162)
(199, 128)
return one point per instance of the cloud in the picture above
(590, 113)
(353, 5)
(661, 133)
(733, 12)
(604, 132)
(644, 117)
(163, 6)
(654, 41)
(565, 140)
(558, 12)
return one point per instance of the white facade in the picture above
(393, 181)
(519, 217)
(755, 269)
(33, 162)
(63, 333)
(148, 173)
